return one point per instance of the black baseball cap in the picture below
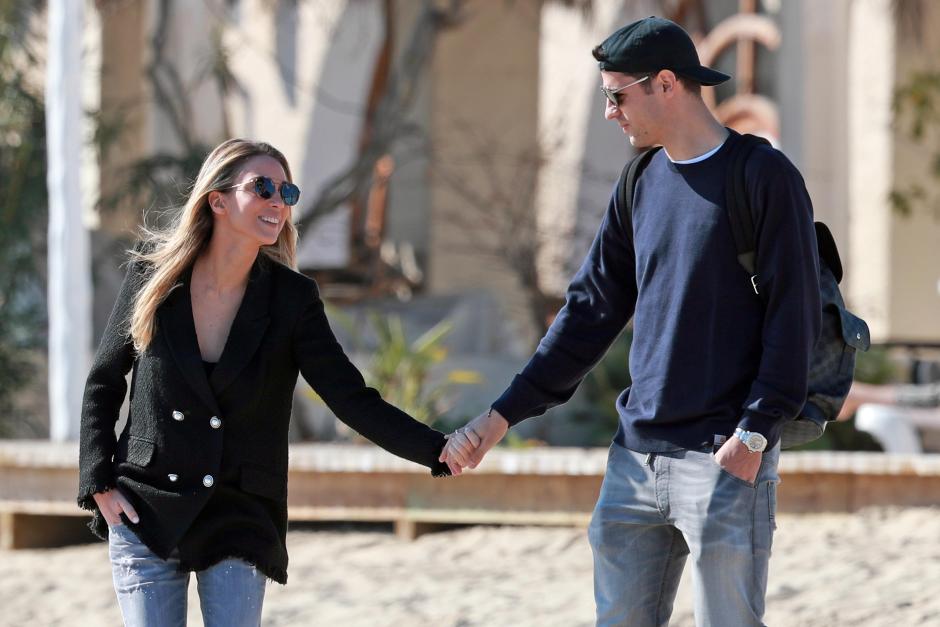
(653, 44)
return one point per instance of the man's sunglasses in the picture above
(612, 93)
(264, 187)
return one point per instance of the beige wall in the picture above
(894, 260)
(409, 193)
(301, 74)
(190, 51)
(585, 152)
(484, 88)
(812, 88)
(123, 98)
(838, 68)
(914, 292)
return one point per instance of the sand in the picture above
(878, 567)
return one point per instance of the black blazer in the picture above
(204, 459)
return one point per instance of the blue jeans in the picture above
(152, 592)
(656, 510)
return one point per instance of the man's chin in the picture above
(638, 143)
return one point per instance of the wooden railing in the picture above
(541, 486)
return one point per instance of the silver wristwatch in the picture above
(754, 441)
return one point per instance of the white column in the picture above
(584, 153)
(871, 157)
(69, 279)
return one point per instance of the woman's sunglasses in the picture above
(264, 187)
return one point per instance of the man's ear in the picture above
(216, 203)
(667, 83)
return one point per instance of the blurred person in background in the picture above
(215, 324)
(913, 395)
(900, 417)
(716, 369)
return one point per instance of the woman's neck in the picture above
(224, 266)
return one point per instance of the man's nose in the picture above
(611, 112)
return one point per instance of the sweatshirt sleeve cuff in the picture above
(514, 404)
(767, 426)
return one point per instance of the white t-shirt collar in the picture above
(700, 157)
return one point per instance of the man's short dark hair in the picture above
(599, 53)
(691, 86)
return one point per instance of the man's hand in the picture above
(111, 504)
(467, 446)
(736, 459)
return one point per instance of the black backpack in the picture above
(832, 361)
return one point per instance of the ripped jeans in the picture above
(152, 592)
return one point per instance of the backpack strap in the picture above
(627, 184)
(738, 205)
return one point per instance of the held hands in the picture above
(736, 459)
(112, 503)
(467, 446)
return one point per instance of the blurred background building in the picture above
(455, 162)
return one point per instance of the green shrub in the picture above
(400, 369)
(600, 390)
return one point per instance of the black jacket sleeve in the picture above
(105, 390)
(329, 372)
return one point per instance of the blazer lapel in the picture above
(177, 326)
(248, 327)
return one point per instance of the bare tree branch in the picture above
(498, 214)
(389, 123)
(167, 85)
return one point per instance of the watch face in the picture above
(756, 442)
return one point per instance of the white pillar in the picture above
(871, 74)
(584, 153)
(891, 427)
(69, 277)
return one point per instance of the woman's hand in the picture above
(466, 447)
(459, 449)
(112, 503)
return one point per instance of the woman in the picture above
(215, 325)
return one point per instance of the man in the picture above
(716, 369)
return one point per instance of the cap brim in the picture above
(704, 75)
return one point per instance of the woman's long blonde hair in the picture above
(166, 253)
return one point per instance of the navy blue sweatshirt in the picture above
(708, 354)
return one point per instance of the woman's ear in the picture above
(216, 203)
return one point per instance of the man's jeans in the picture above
(654, 511)
(152, 592)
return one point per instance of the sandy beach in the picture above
(878, 567)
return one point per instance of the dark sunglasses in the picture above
(264, 187)
(611, 94)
